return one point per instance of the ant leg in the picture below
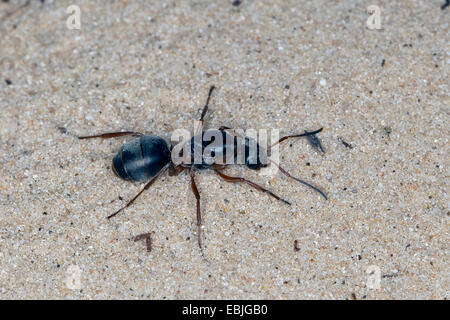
(199, 129)
(250, 183)
(175, 170)
(148, 240)
(112, 135)
(230, 130)
(199, 216)
(140, 192)
(205, 108)
(296, 136)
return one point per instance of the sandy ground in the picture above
(147, 66)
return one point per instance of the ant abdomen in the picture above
(142, 158)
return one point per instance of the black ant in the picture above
(148, 156)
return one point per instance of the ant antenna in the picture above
(299, 180)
